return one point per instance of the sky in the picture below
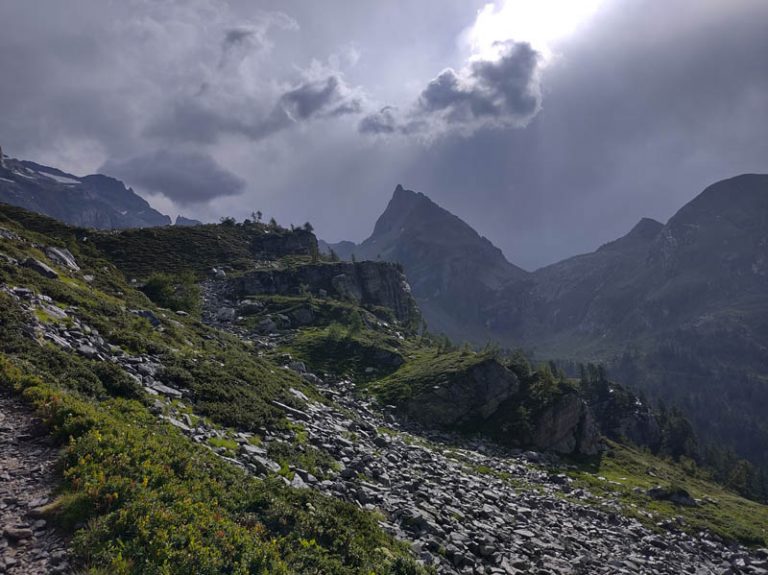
(550, 126)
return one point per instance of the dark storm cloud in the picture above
(388, 121)
(238, 36)
(197, 119)
(322, 98)
(505, 89)
(382, 122)
(254, 36)
(184, 177)
(501, 92)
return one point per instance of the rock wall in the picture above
(365, 283)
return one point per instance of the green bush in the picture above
(178, 293)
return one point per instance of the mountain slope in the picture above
(710, 258)
(680, 311)
(94, 201)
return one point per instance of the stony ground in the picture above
(474, 508)
(28, 546)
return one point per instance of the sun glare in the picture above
(540, 22)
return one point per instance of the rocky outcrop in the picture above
(638, 425)
(62, 256)
(364, 283)
(466, 400)
(39, 267)
(182, 221)
(567, 426)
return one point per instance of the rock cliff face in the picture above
(623, 416)
(365, 283)
(567, 426)
(479, 395)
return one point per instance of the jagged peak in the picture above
(402, 195)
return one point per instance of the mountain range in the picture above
(94, 201)
(679, 310)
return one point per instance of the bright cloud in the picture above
(540, 23)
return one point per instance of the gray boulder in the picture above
(39, 267)
(63, 257)
(226, 314)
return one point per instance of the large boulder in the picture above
(62, 256)
(39, 267)
(465, 399)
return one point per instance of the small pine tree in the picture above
(356, 324)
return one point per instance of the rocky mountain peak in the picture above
(403, 205)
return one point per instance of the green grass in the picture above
(338, 349)
(223, 442)
(627, 468)
(142, 252)
(139, 497)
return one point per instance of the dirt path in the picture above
(28, 545)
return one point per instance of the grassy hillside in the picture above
(141, 252)
(627, 473)
(139, 497)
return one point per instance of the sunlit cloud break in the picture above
(499, 85)
(540, 23)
